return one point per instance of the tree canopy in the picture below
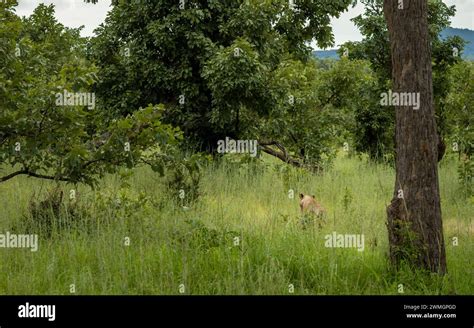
(50, 126)
(210, 63)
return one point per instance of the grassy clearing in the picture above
(196, 251)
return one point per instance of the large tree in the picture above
(211, 63)
(373, 131)
(66, 140)
(414, 215)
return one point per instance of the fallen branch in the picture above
(281, 153)
(35, 175)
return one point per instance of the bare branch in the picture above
(282, 154)
(35, 175)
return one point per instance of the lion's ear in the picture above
(313, 196)
(301, 196)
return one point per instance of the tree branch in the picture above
(35, 175)
(12, 175)
(282, 154)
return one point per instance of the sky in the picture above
(74, 13)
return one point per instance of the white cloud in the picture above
(344, 30)
(71, 13)
(464, 17)
(74, 13)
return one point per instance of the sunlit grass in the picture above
(243, 236)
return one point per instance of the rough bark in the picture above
(414, 220)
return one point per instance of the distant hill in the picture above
(464, 33)
(323, 54)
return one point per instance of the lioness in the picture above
(308, 204)
(310, 207)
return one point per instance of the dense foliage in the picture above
(374, 125)
(45, 131)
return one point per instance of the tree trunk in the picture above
(414, 215)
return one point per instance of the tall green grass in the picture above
(243, 235)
